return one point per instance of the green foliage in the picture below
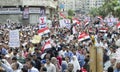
(70, 17)
(110, 6)
(117, 12)
(94, 11)
(70, 12)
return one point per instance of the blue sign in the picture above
(62, 6)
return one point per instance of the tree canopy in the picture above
(70, 12)
(110, 6)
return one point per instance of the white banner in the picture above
(14, 38)
(34, 10)
(61, 23)
(10, 10)
(65, 23)
(42, 26)
(42, 22)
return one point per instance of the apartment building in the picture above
(26, 11)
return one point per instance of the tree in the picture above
(94, 12)
(117, 12)
(110, 6)
(70, 12)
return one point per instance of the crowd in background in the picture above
(66, 54)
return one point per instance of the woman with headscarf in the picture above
(75, 63)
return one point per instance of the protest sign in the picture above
(65, 23)
(14, 38)
(42, 22)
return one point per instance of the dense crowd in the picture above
(66, 53)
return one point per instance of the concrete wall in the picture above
(34, 2)
(45, 3)
(10, 2)
(34, 18)
(14, 18)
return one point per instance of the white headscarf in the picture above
(75, 62)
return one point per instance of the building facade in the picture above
(81, 5)
(71, 4)
(78, 4)
(88, 4)
(26, 11)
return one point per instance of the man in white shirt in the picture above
(99, 44)
(31, 68)
(62, 52)
(50, 67)
(15, 67)
(112, 62)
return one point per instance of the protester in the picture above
(50, 67)
(117, 69)
(70, 67)
(15, 67)
(75, 63)
(59, 48)
(31, 68)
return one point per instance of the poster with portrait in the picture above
(42, 11)
(26, 13)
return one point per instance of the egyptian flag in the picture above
(86, 23)
(62, 15)
(118, 25)
(75, 20)
(103, 30)
(83, 69)
(47, 45)
(100, 17)
(83, 37)
(91, 30)
(74, 31)
(73, 28)
(43, 31)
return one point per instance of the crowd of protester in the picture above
(66, 54)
